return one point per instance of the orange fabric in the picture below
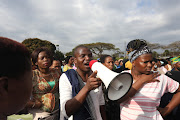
(42, 91)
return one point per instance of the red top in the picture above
(92, 62)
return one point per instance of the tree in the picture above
(99, 47)
(153, 46)
(69, 53)
(33, 43)
(155, 54)
(118, 54)
(59, 55)
(166, 53)
(174, 48)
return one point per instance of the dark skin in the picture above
(141, 72)
(177, 65)
(57, 65)
(109, 63)
(82, 59)
(70, 63)
(11, 100)
(43, 63)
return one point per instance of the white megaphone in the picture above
(117, 84)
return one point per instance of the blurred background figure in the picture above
(163, 66)
(15, 77)
(154, 64)
(175, 63)
(57, 65)
(169, 63)
(174, 74)
(33, 66)
(121, 62)
(69, 60)
(62, 65)
(112, 108)
(117, 64)
(126, 65)
(45, 94)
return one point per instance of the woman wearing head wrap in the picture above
(175, 61)
(142, 100)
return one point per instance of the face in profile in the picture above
(108, 62)
(71, 60)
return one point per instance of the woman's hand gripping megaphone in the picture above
(93, 82)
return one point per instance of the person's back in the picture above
(57, 65)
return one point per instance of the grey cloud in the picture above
(73, 22)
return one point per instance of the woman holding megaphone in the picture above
(143, 99)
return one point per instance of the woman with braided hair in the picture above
(142, 100)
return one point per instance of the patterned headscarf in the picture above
(174, 60)
(133, 54)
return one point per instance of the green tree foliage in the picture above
(33, 43)
(166, 53)
(174, 48)
(69, 53)
(99, 47)
(59, 55)
(118, 54)
(155, 54)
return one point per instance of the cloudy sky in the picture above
(68, 23)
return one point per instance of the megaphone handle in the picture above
(97, 89)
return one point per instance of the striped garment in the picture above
(143, 105)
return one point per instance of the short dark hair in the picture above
(67, 59)
(36, 52)
(77, 47)
(15, 58)
(103, 57)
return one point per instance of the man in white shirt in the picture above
(77, 97)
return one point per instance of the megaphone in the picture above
(117, 84)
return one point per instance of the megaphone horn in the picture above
(117, 84)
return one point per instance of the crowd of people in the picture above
(51, 89)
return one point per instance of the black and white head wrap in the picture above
(136, 53)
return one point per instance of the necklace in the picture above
(48, 77)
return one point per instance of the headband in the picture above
(136, 53)
(174, 60)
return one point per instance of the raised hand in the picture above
(150, 78)
(93, 82)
